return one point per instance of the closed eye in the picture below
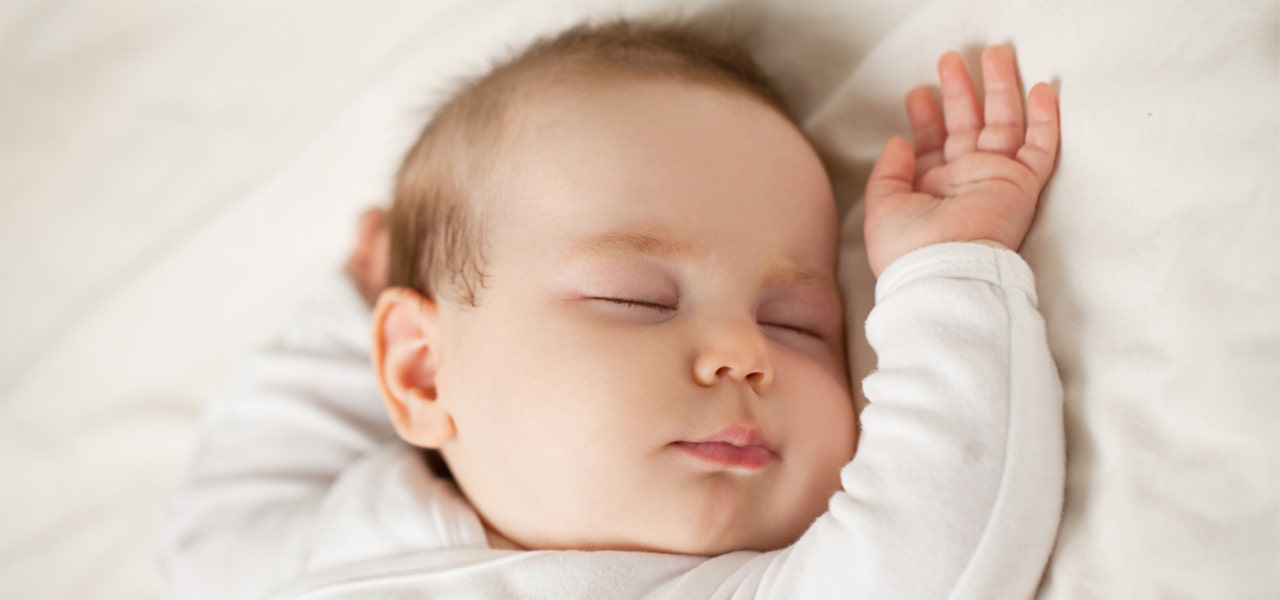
(794, 329)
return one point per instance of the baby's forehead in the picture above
(600, 106)
(561, 108)
(660, 153)
(575, 92)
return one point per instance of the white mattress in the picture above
(176, 178)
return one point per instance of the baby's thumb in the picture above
(894, 172)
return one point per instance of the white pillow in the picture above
(176, 177)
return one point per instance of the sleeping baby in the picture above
(612, 353)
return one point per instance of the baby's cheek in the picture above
(830, 420)
(832, 433)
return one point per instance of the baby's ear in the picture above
(405, 350)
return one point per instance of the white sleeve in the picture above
(956, 488)
(270, 447)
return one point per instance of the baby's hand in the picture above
(367, 265)
(977, 179)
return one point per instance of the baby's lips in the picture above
(734, 446)
(729, 455)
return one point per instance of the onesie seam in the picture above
(997, 500)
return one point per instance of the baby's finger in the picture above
(927, 129)
(1041, 147)
(960, 106)
(1002, 129)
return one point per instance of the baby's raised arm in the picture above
(956, 489)
(248, 513)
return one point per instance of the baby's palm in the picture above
(977, 179)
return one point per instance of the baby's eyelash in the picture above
(637, 303)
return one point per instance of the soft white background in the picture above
(177, 176)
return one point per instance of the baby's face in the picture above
(656, 361)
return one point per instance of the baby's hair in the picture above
(435, 225)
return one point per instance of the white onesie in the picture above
(299, 485)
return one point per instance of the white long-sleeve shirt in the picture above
(955, 491)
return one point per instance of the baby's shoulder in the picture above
(389, 503)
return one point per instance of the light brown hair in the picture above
(435, 224)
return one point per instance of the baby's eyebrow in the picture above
(788, 274)
(791, 275)
(624, 242)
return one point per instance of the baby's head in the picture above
(614, 310)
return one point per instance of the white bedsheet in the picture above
(175, 178)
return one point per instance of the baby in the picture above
(613, 320)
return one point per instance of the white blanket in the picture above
(176, 177)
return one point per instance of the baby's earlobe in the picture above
(425, 422)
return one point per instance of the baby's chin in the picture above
(750, 541)
(667, 540)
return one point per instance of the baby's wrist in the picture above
(991, 243)
(880, 261)
(976, 259)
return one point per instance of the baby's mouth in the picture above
(735, 447)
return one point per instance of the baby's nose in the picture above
(734, 352)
